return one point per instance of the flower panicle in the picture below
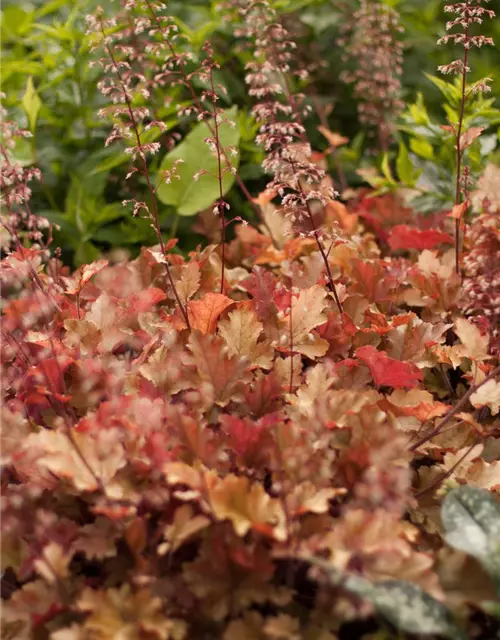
(481, 290)
(373, 49)
(138, 59)
(460, 32)
(300, 183)
(15, 191)
(278, 110)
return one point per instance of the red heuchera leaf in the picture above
(87, 271)
(244, 436)
(383, 211)
(387, 371)
(44, 381)
(203, 314)
(144, 300)
(403, 236)
(262, 396)
(261, 286)
(373, 280)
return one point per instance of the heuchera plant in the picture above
(254, 440)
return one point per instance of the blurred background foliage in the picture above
(50, 87)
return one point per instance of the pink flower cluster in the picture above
(372, 46)
(15, 192)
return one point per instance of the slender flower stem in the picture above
(333, 152)
(277, 136)
(465, 15)
(290, 325)
(144, 171)
(221, 204)
(460, 404)
(319, 243)
(448, 473)
(460, 152)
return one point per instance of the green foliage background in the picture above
(51, 88)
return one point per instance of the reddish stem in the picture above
(145, 173)
(457, 137)
(221, 203)
(454, 410)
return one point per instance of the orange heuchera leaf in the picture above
(265, 197)
(241, 331)
(308, 498)
(53, 563)
(467, 466)
(189, 282)
(97, 539)
(403, 236)
(203, 314)
(245, 437)
(447, 127)
(185, 474)
(185, 525)
(415, 403)
(223, 374)
(387, 371)
(125, 613)
(372, 280)
(263, 395)
(459, 210)
(475, 345)
(341, 214)
(282, 626)
(487, 396)
(261, 286)
(59, 456)
(468, 137)
(248, 507)
(307, 312)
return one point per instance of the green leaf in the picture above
(403, 604)
(31, 104)
(422, 148)
(386, 169)
(452, 92)
(407, 173)
(471, 518)
(114, 160)
(86, 253)
(406, 606)
(491, 608)
(15, 23)
(49, 7)
(186, 194)
(418, 111)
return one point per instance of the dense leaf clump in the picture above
(161, 481)
(289, 428)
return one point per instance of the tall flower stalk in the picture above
(372, 47)
(215, 116)
(145, 56)
(467, 14)
(15, 193)
(163, 33)
(123, 83)
(282, 134)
